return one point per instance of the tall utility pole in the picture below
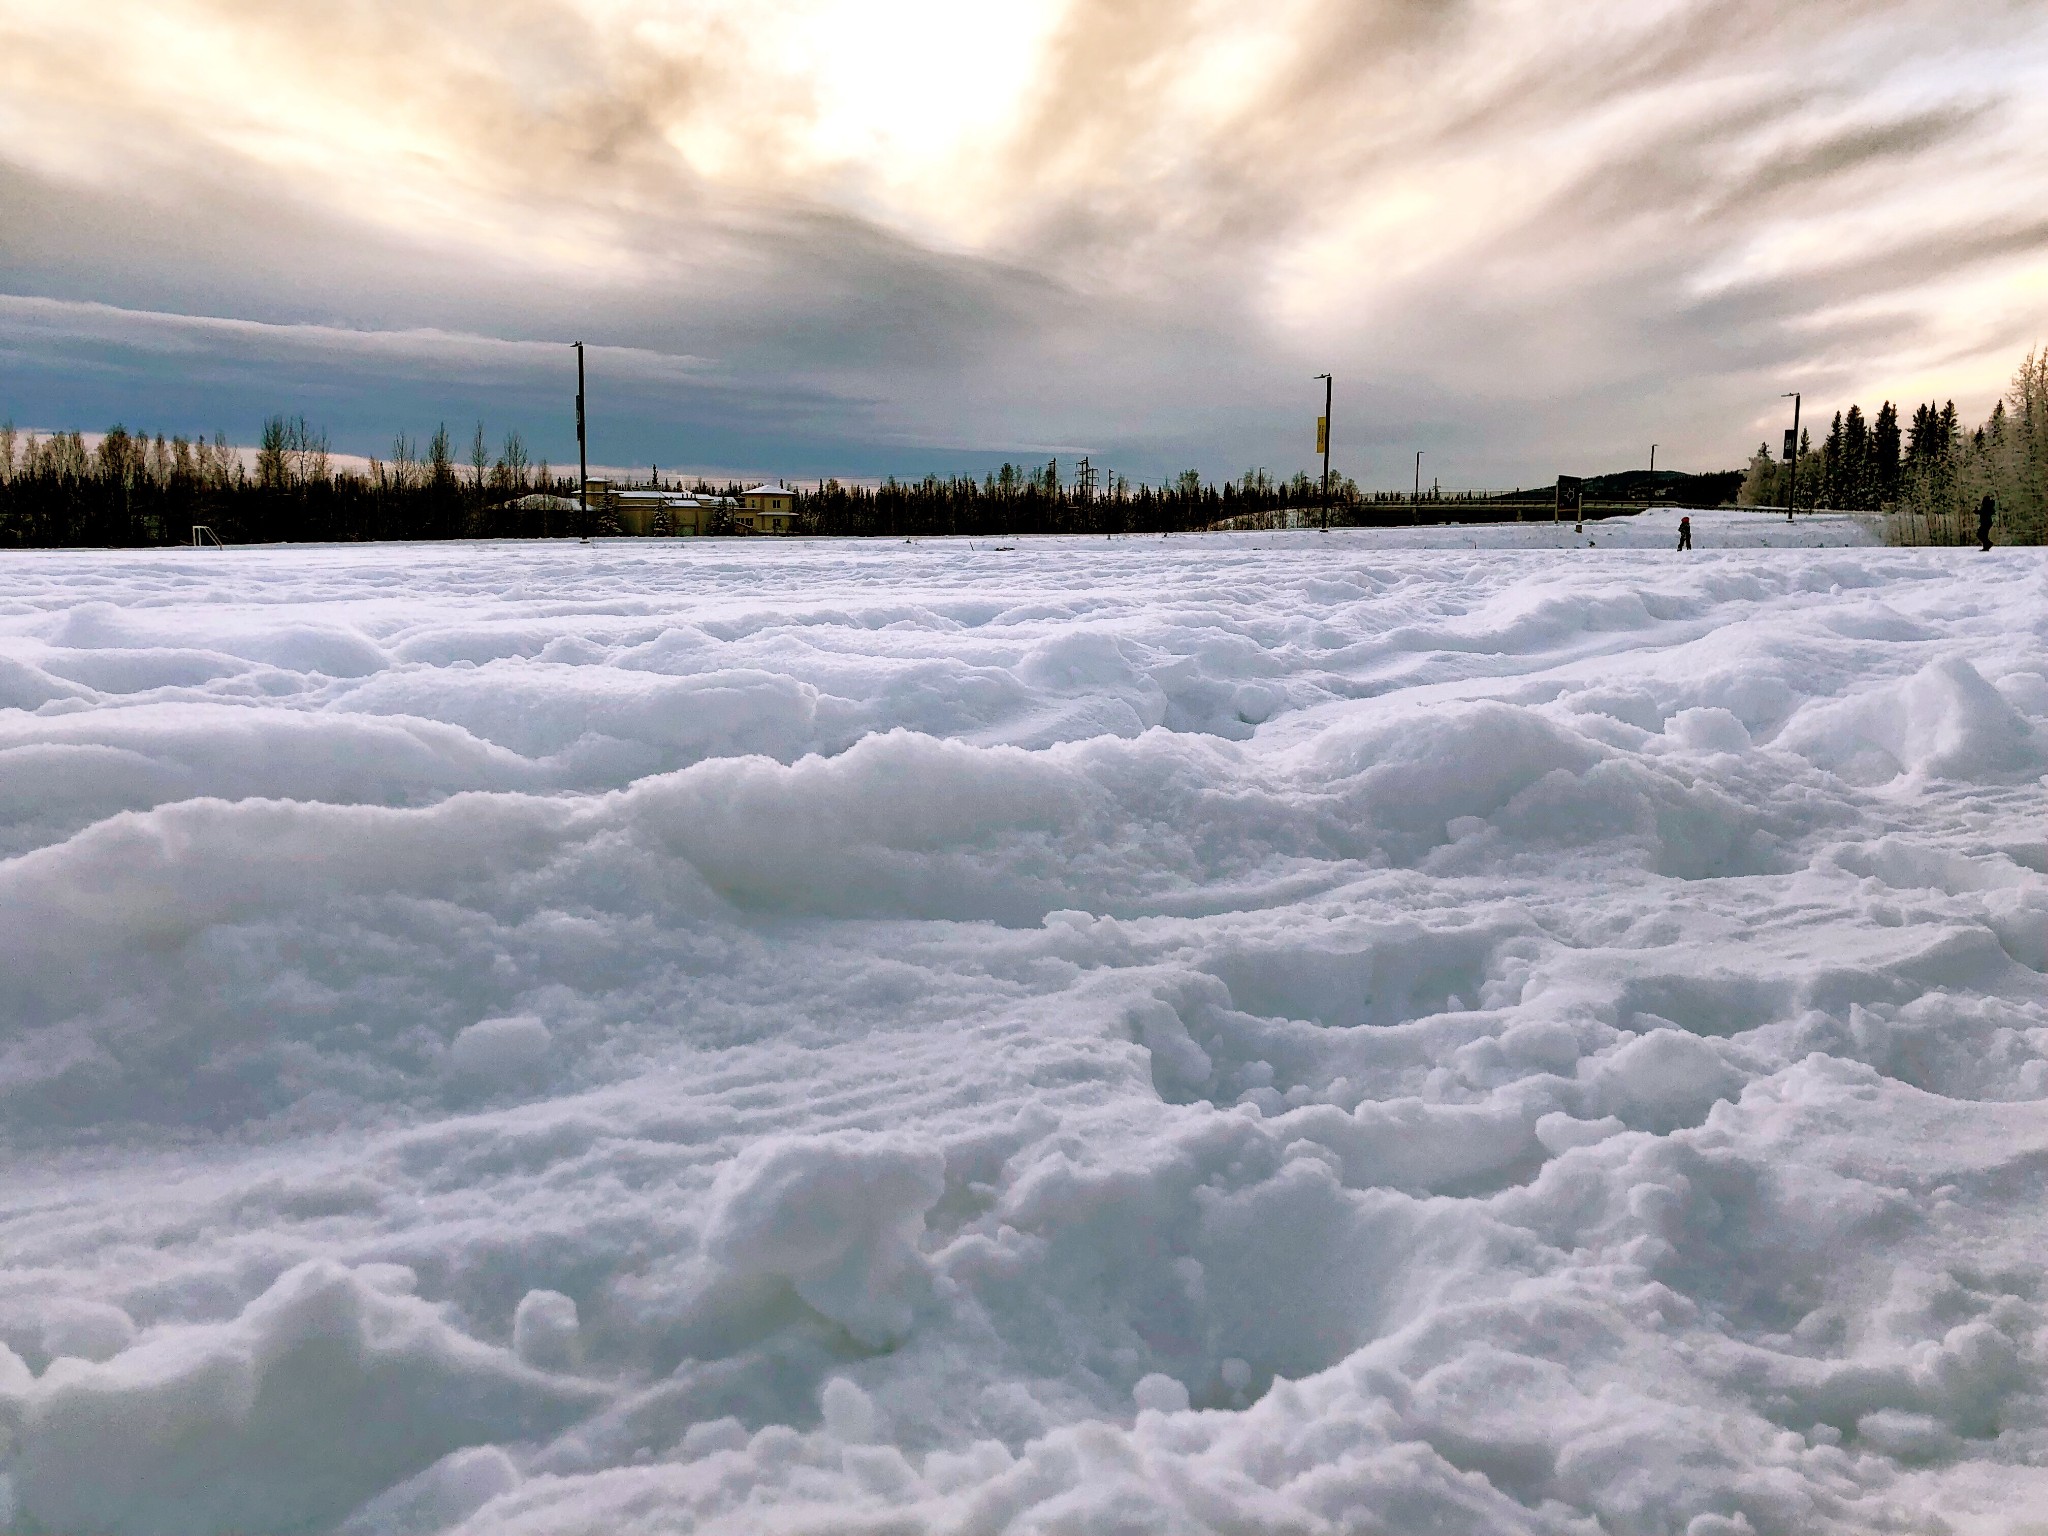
(1323, 442)
(582, 450)
(1415, 513)
(1792, 454)
(1653, 458)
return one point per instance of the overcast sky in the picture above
(869, 236)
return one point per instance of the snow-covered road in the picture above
(1265, 1033)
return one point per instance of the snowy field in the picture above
(1271, 1033)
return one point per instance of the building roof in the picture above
(669, 498)
(769, 490)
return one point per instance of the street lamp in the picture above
(1792, 453)
(582, 451)
(1415, 514)
(1323, 442)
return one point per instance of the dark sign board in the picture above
(1570, 490)
(1791, 443)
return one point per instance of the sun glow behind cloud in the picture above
(905, 100)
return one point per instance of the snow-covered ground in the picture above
(1272, 1033)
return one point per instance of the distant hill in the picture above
(1668, 485)
(1710, 490)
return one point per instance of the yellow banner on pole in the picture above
(1322, 434)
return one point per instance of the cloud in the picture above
(817, 235)
(421, 349)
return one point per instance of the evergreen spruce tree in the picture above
(1856, 478)
(1831, 467)
(1884, 453)
(1921, 438)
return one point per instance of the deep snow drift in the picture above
(1275, 1033)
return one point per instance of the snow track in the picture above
(1258, 1033)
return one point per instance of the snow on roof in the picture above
(769, 490)
(671, 498)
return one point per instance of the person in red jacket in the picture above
(1685, 533)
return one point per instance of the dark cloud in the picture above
(1876, 146)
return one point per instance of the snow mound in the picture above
(494, 1049)
(323, 1392)
(1944, 721)
(546, 1333)
(446, 1494)
(86, 1330)
(1244, 1033)
(837, 1217)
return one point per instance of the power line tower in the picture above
(1084, 480)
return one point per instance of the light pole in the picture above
(1323, 442)
(1415, 508)
(1653, 458)
(582, 450)
(1792, 454)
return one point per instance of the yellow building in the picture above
(652, 513)
(766, 509)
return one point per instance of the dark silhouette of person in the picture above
(1987, 509)
(1685, 533)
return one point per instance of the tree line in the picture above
(134, 490)
(1929, 477)
(1858, 467)
(1018, 499)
